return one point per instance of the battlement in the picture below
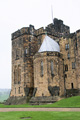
(19, 32)
(22, 31)
(40, 31)
(58, 28)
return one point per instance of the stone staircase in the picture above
(43, 100)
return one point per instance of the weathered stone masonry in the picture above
(50, 79)
(60, 73)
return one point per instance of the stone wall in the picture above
(48, 81)
(78, 60)
(69, 49)
(24, 46)
(57, 28)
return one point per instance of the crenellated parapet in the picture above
(24, 31)
(58, 28)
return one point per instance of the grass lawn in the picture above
(40, 115)
(67, 102)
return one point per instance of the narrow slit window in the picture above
(41, 68)
(19, 90)
(14, 77)
(17, 54)
(52, 68)
(73, 65)
(67, 46)
(26, 50)
(15, 90)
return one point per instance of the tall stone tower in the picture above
(23, 48)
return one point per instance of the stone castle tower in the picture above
(45, 66)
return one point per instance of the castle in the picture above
(45, 63)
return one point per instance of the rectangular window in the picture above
(66, 67)
(72, 86)
(68, 56)
(67, 46)
(73, 65)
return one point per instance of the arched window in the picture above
(41, 68)
(52, 68)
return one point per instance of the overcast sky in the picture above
(15, 14)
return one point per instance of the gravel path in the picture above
(38, 109)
